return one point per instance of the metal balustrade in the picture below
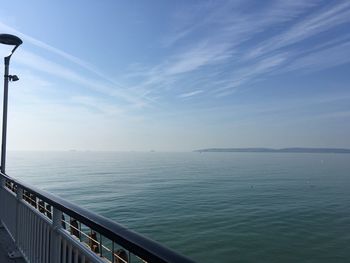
(49, 229)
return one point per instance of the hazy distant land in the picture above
(283, 150)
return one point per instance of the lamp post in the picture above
(12, 40)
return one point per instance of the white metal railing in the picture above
(48, 229)
(37, 238)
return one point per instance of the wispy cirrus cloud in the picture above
(50, 48)
(325, 58)
(218, 48)
(190, 94)
(39, 63)
(239, 45)
(324, 19)
(103, 84)
(250, 72)
(100, 105)
(204, 54)
(233, 20)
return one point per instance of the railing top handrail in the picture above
(139, 245)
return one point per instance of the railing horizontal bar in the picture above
(39, 205)
(139, 245)
(86, 235)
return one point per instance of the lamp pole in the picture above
(4, 113)
(7, 39)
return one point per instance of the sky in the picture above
(178, 75)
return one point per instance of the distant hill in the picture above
(283, 150)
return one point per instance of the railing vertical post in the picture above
(2, 203)
(18, 203)
(55, 244)
(3, 180)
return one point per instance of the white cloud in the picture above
(105, 85)
(197, 57)
(39, 63)
(249, 73)
(326, 19)
(190, 94)
(221, 31)
(322, 59)
(207, 50)
(231, 22)
(100, 105)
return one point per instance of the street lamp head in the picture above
(12, 40)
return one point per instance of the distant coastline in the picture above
(271, 150)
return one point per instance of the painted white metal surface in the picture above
(37, 238)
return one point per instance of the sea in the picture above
(212, 207)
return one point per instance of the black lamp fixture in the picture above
(13, 77)
(15, 41)
(11, 40)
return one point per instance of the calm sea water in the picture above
(213, 207)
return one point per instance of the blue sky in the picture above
(178, 75)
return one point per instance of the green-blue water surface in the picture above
(213, 207)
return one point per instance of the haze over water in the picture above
(212, 207)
